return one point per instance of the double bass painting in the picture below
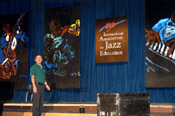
(14, 49)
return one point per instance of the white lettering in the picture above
(110, 38)
(112, 45)
(112, 34)
(105, 53)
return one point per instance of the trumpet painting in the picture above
(62, 47)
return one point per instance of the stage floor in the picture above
(69, 114)
(45, 114)
(72, 109)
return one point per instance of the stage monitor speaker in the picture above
(123, 104)
(6, 91)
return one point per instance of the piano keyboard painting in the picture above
(159, 44)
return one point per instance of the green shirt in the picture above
(38, 72)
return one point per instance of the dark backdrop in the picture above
(124, 77)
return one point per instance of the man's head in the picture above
(38, 59)
(173, 17)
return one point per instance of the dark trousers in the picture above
(38, 99)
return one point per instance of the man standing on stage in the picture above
(38, 80)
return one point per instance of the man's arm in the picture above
(33, 83)
(47, 86)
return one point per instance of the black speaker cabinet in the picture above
(123, 104)
(6, 91)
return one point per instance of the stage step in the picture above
(45, 114)
(73, 108)
(69, 114)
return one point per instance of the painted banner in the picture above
(160, 43)
(62, 47)
(112, 40)
(14, 49)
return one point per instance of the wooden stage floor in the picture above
(72, 109)
(45, 114)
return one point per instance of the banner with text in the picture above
(112, 39)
